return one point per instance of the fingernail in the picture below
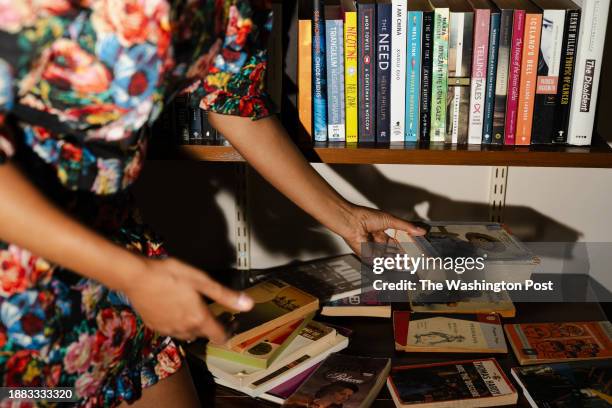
(244, 302)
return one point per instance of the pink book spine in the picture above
(514, 77)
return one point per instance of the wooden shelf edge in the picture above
(599, 156)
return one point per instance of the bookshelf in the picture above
(598, 155)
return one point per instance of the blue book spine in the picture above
(334, 39)
(319, 80)
(489, 106)
(383, 73)
(413, 76)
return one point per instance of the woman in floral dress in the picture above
(88, 297)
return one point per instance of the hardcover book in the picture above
(439, 76)
(475, 302)
(459, 70)
(181, 117)
(195, 122)
(276, 303)
(260, 351)
(413, 73)
(537, 343)
(566, 385)
(594, 19)
(489, 103)
(305, 73)
(398, 69)
(343, 380)
(314, 343)
(482, 22)
(514, 73)
(453, 333)
(350, 73)
(328, 279)
(367, 304)
(319, 73)
(503, 69)
(471, 383)
(566, 75)
(529, 65)
(549, 65)
(383, 74)
(366, 30)
(334, 42)
(426, 68)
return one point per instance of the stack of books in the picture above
(509, 72)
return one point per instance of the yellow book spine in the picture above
(350, 75)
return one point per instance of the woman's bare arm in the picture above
(266, 145)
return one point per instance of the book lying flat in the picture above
(261, 351)
(342, 381)
(327, 279)
(580, 384)
(368, 304)
(477, 301)
(280, 393)
(276, 303)
(311, 346)
(455, 333)
(465, 384)
(537, 343)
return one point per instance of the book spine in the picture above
(564, 93)
(274, 56)
(366, 14)
(195, 123)
(181, 118)
(439, 77)
(489, 102)
(548, 77)
(319, 92)
(529, 67)
(305, 77)
(482, 22)
(383, 74)
(334, 40)
(398, 69)
(514, 76)
(588, 70)
(426, 67)
(350, 75)
(413, 75)
(459, 71)
(209, 133)
(501, 85)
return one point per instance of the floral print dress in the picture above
(79, 79)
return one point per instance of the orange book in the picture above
(529, 73)
(541, 343)
(305, 77)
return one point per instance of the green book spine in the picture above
(439, 84)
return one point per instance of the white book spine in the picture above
(482, 20)
(459, 20)
(399, 41)
(588, 70)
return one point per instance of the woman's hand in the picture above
(168, 296)
(369, 225)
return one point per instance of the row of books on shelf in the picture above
(281, 353)
(513, 72)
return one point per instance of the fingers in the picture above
(400, 224)
(215, 291)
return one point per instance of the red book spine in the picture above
(514, 76)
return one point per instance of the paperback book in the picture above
(398, 69)
(319, 73)
(334, 41)
(276, 303)
(439, 71)
(455, 333)
(489, 102)
(413, 73)
(476, 302)
(471, 383)
(343, 380)
(537, 343)
(426, 74)
(366, 45)
(367, 304)
(350, 72)
(383, 73)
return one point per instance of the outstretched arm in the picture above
(266, 145)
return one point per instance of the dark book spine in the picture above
(181, 118)
(319, 73)
(487, 130)
(501, 80)
(428, 21)
(195, 123)
(366, 14)
(568, 58)
(383, 74)
(209, 133)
